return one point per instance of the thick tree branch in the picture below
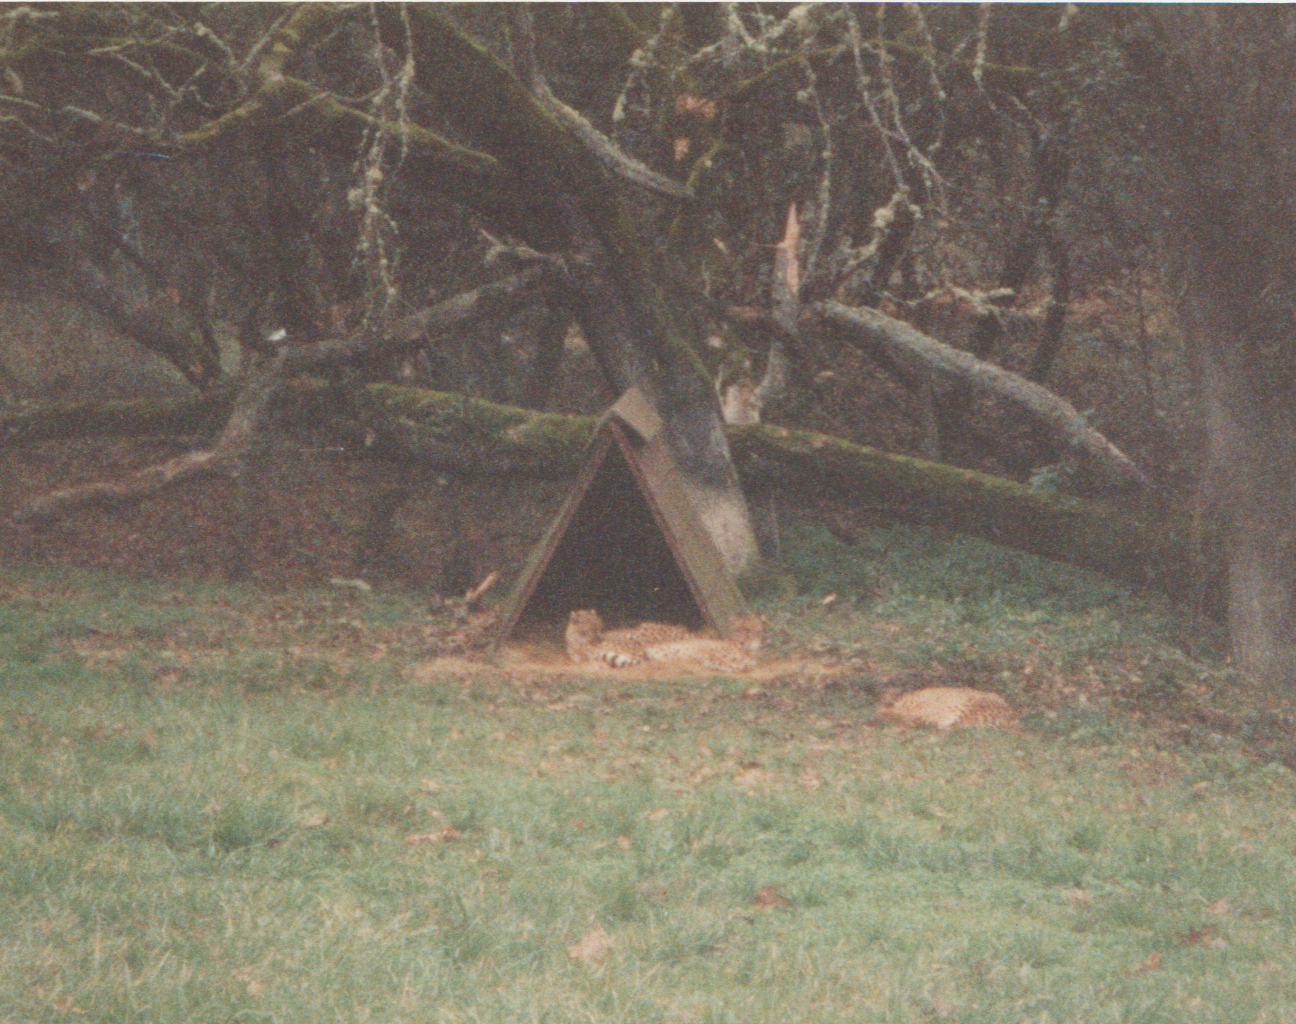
(319, 119)
(164, 329)
(925, 356)
(306, 23)
(617, 160)
(223, 458)
(504, 117)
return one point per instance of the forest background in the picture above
(1034, 256)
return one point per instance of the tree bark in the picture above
(1251, 468)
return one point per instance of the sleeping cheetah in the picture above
(948, 707)
(665, 642)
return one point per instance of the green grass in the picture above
(959, 598)
(206, 797)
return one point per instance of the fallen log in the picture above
(473, 437)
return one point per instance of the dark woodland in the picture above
(1022, 271)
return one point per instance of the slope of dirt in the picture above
(297, 520)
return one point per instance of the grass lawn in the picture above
(219, 805)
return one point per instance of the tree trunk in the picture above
(1221, 121)
(1251, 463)
(620, 297)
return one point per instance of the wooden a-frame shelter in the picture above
(627, 542)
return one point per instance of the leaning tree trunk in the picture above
(672, 382)
(923, 358)
(619, 296)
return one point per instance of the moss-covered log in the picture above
(199, 414)
(448, 432)
(1136, 547)
(474, 437)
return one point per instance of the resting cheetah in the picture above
(948, 707)
(587, 640)
(661, 642)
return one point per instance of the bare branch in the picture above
(814, 244)
(641, 60)
(412, 332)
(982, 47)
(891, 226)
(866, 96)
(307, 22)
(163, 329)
(609, 153)
(612, 156)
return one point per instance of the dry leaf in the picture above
(749, 777)
(254, 985)
(166, 679)
(65, 1005)
(429, 786)
(592, 947)
(699, 106)
(314, 820)
(441, 835)
(1150, 964)
(1077, 897)
(809, 779)
(768, 897)
(623, 842)
(1195, 935)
